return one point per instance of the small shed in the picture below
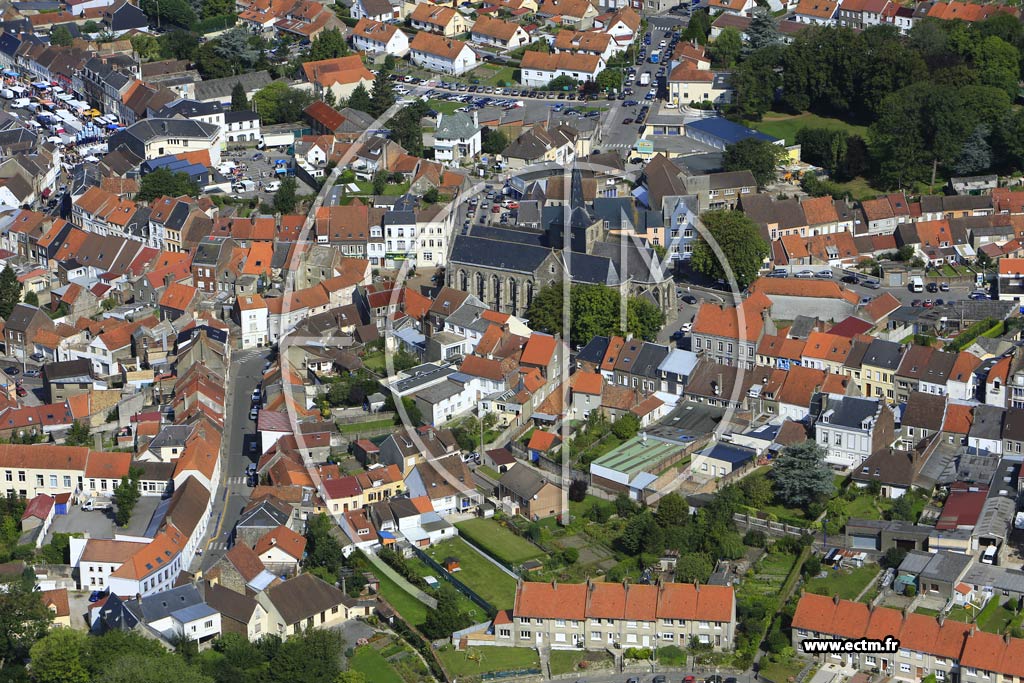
(61, 501)
(374, 403)
(451, 564)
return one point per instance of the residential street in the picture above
(239, 432)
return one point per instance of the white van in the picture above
(989, 556)
(97, 504)
(20, 103)
(916, 284)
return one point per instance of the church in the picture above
(506, 267)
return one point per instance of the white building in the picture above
(538, 68)
(241, 126)
(374, 37)
(457, 137)
(253, 318)
(440, 54)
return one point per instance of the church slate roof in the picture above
(499, 255)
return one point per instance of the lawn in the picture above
(780, 511)
(565, 661)
(582, 509)
(373, 665)
(392, 189)
(995, 617)
(499, 541)
(848, 583)
(477, 572)
(960, 614)
(780, 668)
(770, 573)
(865, 506)
(786, 126)
(358, 427)
(484, 659)
(444, 106)
(411, 609)
(489, 74)
(375, 361)
(484, 469)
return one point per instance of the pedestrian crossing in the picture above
(218, 545)
(236, 480)
(617, 145)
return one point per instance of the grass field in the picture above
(995, 617)
(786, 126)
(490, 74)
(411, 609)
(769, 574)
(477, 572)
(391, 189)
(370, 662)
(488, 658)
(847, 583)
(499, 541)
(444, 106)
(780, 668)
(357, 427)
(565, 661)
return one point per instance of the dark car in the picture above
(916, 303)
(627, 121)
(932, 287)
(713, 679)
(32, 372)
(21, 391)
(689, 299)
(658, 679)
(977, 296)
(37, 357)
(731, 679)
(96, 596)
(12, 371)
(851, 279)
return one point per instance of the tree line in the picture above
(937, 101)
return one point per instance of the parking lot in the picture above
(254, 173)
(100, 524)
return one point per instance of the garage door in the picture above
(864, 542)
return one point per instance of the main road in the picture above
(236, 451)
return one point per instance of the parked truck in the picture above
(97, 504)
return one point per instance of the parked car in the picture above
(96, 596)
(872, 284)
(944, 287)
(38, 357)
(32, 372)
(254, 413)
(824, 274)
(686, 328)
(928, 303)
(12, 371)
(916, 303)
(851, 279)
(932, 287)
(21, 391)
(689, 299)
(804, 274)
(978, 295)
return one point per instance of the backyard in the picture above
(786, 126)
(485, 659)
(847, 583)
(488, 581)
(369, 426)
(411, 609)
(498, 541)
(769, 574)
(373, 665)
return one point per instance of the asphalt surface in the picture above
(239, 433)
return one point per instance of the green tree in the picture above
(406, 129)
(626, 427)
(277, 102)
(673, 510)
(78, 435)
(694, 567)
(165, 183)
(445, 618)
(609, 79)
(726, 48)
(285, 199)
(763, 30)
(545, 311)
(23, 618)
(432, 196)
(147, 46)
(350, 676)
(380, 182)
(998, 64)
(328, 45)
(760, 157)
(643, 319)
(179, 44)
(91, 26)
(976, 152)
(563, 83)
(177, 12)
(60, 37)
(382, 96)
(825, 147)
(323, 549)
(699, 27)
(239, 47)
(757, 491)
(126, 495)
(57, 658)
(312, 657)
(10, 291)
(360, 99)
(134, 668)
(239, 100)
(217, 8)
(755, 81)
(739, 238)
(801, 475)
(493, 141)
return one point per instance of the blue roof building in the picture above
(720, 133)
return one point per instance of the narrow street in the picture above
(239, 434)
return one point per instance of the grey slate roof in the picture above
(476, 251)
(522, 481)
(883, 354)
(851, 412)
(221, 87)
(151, 129)
(456, 126)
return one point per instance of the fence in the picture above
(418, 641)
(748, 522)
(382, 566)
(487, 607)
(493, 675)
